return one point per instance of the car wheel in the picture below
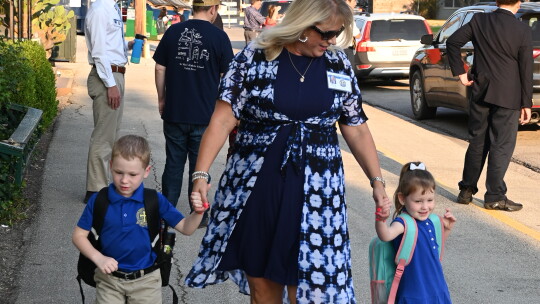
(420, 108)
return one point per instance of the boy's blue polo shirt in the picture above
(125, 236)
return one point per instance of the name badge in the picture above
(339, 82)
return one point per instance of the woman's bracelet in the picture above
(199, 175)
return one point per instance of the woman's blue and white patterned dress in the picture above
(324, 262)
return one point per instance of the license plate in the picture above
(399, 52)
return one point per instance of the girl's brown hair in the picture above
(410, 180)
(271, 10)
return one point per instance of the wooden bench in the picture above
(18, 144)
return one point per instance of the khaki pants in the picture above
(106, 126)
(113, 290)
(250, 36)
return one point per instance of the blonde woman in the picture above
(279, 217)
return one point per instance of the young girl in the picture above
(423, 280)
(273, 15)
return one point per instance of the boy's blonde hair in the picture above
(131, 147)
(411, 180)
(300, 15)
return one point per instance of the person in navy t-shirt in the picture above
(190, 58)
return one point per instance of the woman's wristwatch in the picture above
(377, 178)
(200, 174)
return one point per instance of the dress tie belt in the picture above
(294, 149)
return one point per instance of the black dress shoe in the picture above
(505, 205)
(88, 195)
(465, 196)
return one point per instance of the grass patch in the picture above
(13, 210)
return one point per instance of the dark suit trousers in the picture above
(493, 133)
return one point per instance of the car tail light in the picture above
(361, 46)
(536, 53)
(363, 66)
(428, 28)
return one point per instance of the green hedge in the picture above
(26, 78)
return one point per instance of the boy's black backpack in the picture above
(86, 268)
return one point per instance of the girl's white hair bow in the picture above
(420, 166)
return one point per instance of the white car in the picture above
(387, 44)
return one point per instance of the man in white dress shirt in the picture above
(107, 53)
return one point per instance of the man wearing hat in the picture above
(190, 58)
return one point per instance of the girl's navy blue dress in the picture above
(279, 210)
(423, 279)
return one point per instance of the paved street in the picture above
(491, 257)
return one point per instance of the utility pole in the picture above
(140, 24)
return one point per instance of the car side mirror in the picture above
(427, 39)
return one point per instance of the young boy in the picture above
(125, 240)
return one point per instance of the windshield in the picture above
(532, 20)
(397, 29)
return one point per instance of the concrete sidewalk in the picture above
(48, 273)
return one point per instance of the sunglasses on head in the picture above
(328, 34)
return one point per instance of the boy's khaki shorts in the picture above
(112, 290)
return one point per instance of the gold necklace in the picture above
(302, 78)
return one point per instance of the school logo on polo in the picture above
(141, 217)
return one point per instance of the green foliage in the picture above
(17, 78)
(44, 81)
(51, 22)
(12, 205)
(26, 78)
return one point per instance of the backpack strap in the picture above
(100, 209)
(439, 233)
(153, 220)
(408, 242)
(405, 252)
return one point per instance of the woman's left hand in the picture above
(379, 195)
(197, 203)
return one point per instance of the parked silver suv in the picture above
(387, 44)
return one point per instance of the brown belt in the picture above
(116, 69)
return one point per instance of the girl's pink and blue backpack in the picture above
(386, 266)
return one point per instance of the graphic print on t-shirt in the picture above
(190, 56)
